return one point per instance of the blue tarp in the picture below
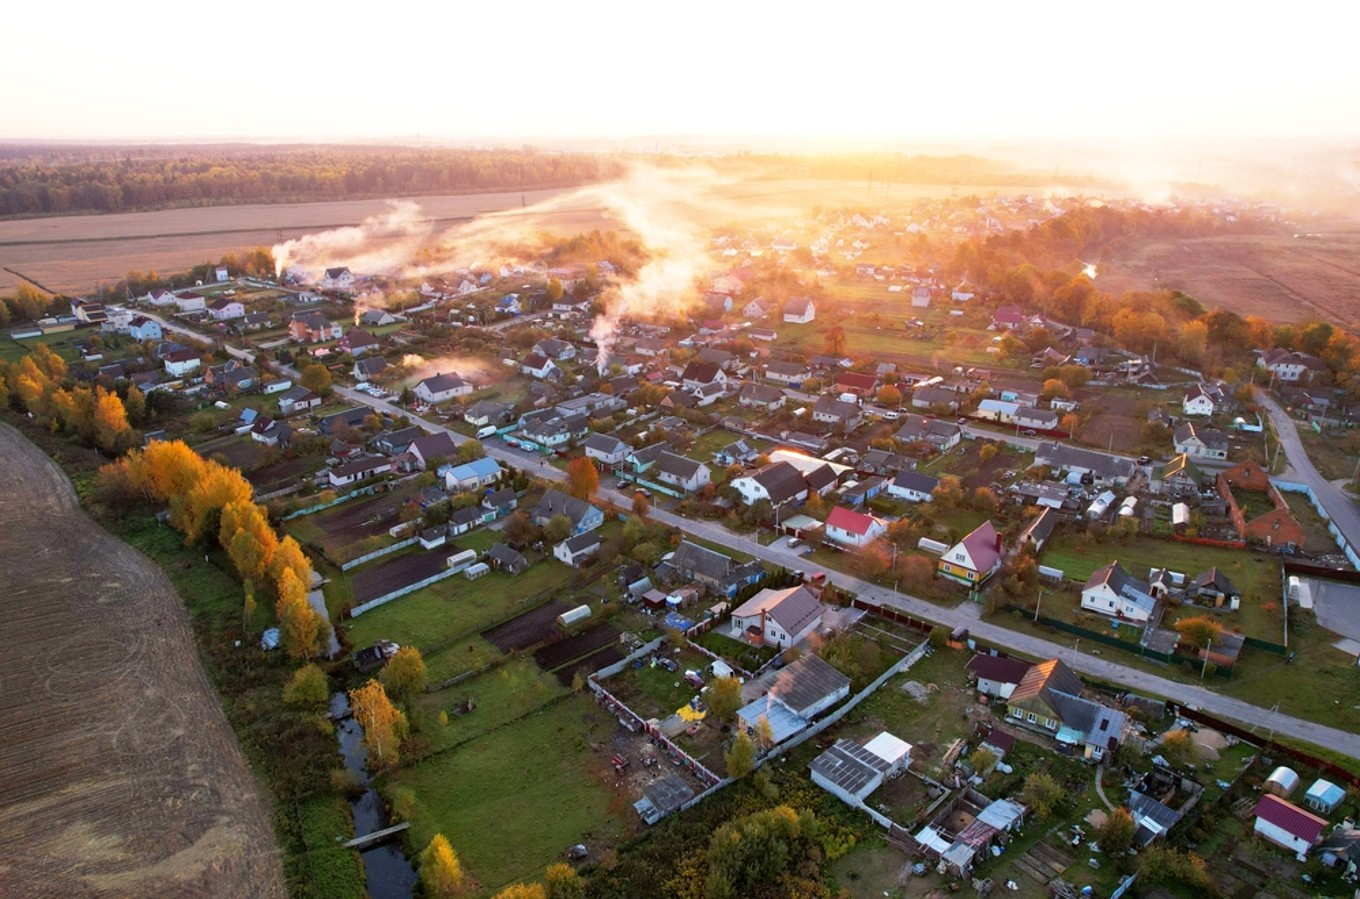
(678, 621)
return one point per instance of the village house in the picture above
(1113, 592)
(488, 412)
(502, 558)
(831, 411)
(576, 550)
(932, 397)
(861, 384)
(974, 558)
(441, 387)
(363, 469)
(1284, 824)
(997, 676)
(761, 396)
(376, 318)
(1204, 399)
(1178, 477)
(789, 374)
(1199, 442)
(793, 696)
(719, 574)
(606, 449)
(777, 617)
(143, 328)
(357, 341)
(1049, 698)
(339, 278)
(555, 349)
(472, 475)
(701, 374)
(182, 363)
(297, 399)
(883, 463)
(764, 335)
(1278, 527)
(738, 452)
(582, 515)
(913, 486)
(682, 473)
(231, 376)
(430, 448)
(854, 530)
(538, 366)
(1039, 529)
(188, 301)
(225, 309)
(755, 309)
(312, 327)
(368, 369)
(1078, 462)
(777, 483)
(1291, 366)
(269, 432)
(800, 310)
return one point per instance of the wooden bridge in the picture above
(377, 836)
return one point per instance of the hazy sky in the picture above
(900, 69)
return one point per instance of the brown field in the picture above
(532, 627)
(377, 579)
(75, 254)
(121, 775)
(563, 651)
(1279, 277)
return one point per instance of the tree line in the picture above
(39, 180)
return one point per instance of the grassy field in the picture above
(1255, 574)
(512, 800)
(452, 606)
(1327, 452)
(499, 696)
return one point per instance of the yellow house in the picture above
(974, 558)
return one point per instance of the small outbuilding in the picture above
(1324, 796)
(1283, 781)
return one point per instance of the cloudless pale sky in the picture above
(483, 70)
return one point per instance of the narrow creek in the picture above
(388, 873)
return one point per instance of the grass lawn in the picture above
(1327, 451)
(62, 343)
(705, 446)
(456, 658)
(1257, 575)
(512, 800)
(500, 695)
(331, 871)
(653, 692)
(868, 872)
(744, 654)
(454, 606)
(1316, 537)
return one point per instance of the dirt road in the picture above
(119, 775)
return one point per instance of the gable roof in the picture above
(1290, 818)
(1213, 579)
(798, 306)
(781, 481)
(983, 545)
(1209, 437)
(819, 477)
(555, 502)
(442, 382)
(437, 444)
(803, 683)
(678, 466)
(1044, 678)
(1122, 583)
(702, 372)
(915, 480)
(792, 608)
(1041, 526)
(998, 668)
(857, 523)
(605, 443)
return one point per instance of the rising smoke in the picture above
(669, 211)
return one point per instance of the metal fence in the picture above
(409, 588)
(378, 553)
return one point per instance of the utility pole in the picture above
(1204, 669)
(1037, 603)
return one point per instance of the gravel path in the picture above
(119, 774)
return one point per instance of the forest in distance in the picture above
(37, 180)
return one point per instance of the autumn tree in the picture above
(1115, 836)
(740, 758)
(915, 572)
(1200, 631)
(724, 698)
(404, 674)
(197, 513)
(301, 629)
(316, 378)
(889, 396)
(523, 891)
(641, 505)
(834, 341)
(557, 529)
(948, 493)
(112, 433)
(441, 873)
(583, 479)
(1055, 389)
(248, 538)
(1192, 341)
(469, 451)
(383, 723)
(290, 557)
(307, 687)
(1178, 747)
(1043, 794)
(563, 882)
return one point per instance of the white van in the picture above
(486, 431)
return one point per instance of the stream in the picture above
(388, 873)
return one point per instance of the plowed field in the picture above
(119, 774)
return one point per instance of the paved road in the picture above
(965, 615)
(1331, 494)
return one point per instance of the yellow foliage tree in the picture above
(383, 723)
(300, 627)
(563, 882)
(248, 539)
(290, 557)
(523, 891)
(404, 673)
(441, 873)
(109, 420)
(168, 468)
(216, 487)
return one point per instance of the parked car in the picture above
(794, 542)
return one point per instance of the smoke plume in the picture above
(380, 243)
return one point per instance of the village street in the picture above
(967, 614)
(1333, 496)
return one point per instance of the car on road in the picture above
(643, 492)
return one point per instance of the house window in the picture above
(972, 575)
(1031, 717)
(1050, 724)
